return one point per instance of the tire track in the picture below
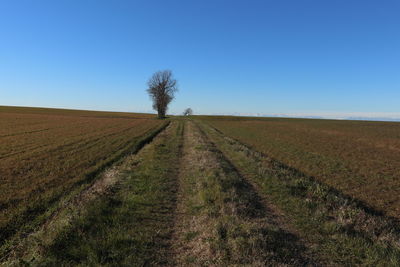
(221, 219)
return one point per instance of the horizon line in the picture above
(359, 116)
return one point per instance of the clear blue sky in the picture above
(282, 56)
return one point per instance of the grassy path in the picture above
(221, 220)
(194, 197)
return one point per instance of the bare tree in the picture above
(188, 112)
(162, 87)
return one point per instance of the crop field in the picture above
(45, 153)
(121, 189)
(359, 158)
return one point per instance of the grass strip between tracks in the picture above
(221, 221)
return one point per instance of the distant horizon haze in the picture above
(390, 117)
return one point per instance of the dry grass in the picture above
(221, 219)
(359, 158)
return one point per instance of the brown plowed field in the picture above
(44, 152)
(359, 158)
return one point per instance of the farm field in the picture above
(359, 158)
(125, 189)
(174, 186)
(45, 153)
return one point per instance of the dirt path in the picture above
(194, 197)
(188, 234)
(32, 245)
(188, 206)
(221, 219)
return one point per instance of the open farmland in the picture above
(46, 153)
(359, 158)
(98, 189)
